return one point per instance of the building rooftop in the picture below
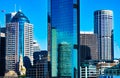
(19, 15)
(82, 32)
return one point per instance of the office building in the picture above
(88, 46)
(38, 70)
(40, 66)
(103, 67)
(3, 29)
(19, 40)
(89, 71)
(36, 46)
(2, 53)
(64, 62)
(103, 28)
(39, 55)
(64, 16)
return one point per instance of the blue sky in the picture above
(87, 22)
(35, 10)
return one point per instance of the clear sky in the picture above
(87, 22)
(35, 10)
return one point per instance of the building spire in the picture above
(15, 7)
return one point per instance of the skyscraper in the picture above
(88, 46)
(103, 28)
(19, 40)
(65, 28)
(64, 62)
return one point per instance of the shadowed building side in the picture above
(88, 46)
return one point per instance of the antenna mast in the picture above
(15, 7)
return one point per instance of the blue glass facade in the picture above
(64, 20)
(21, 19)
(19, 39)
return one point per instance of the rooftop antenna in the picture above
(15, 7)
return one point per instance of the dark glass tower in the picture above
(2, 52)
(65, 28)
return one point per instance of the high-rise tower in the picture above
(64, 23)
(19, 40)
(103, 27)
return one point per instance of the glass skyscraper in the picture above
(64, 28)
(64, 57)
(103, 28)
(19, 39)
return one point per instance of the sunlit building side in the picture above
(103, 28)
(19, 40)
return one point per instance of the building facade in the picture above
(64, 62)
(9, 17)
(49, 46)
(2, 53)
(19, 40)
(39, 70)
(36, 46)
(40, 66)
(88, 46)
(103, 28)
(49, 38)
(64, 28)
(54, 53)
